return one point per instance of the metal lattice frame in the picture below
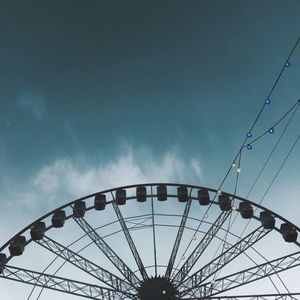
(193, 279)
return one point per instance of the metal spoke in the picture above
(130, 241)
(61, 284)
(86, 265)
(200, 248)
(224, 258)
(278, 296)
(178, 238)
(153, 232)
(107, 251)
(248, 275)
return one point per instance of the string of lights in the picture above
(236, 163)
(223, 242)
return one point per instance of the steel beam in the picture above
(61, 284)
(178, 239)
(130, 241)
(277, 296)
(246, 276)
(86, 265)
(108, 252)
(224, 258)
(200, 248)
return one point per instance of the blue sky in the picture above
(104, 93)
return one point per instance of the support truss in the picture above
(138, 223)
(200, 248)
(178, 239)
(108, 252)
(224, 258)
(86, 265)
(130, 241)
(278, 296)
(248, 275)
(61, 284)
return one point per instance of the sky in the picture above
(99, 94)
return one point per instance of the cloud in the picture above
(33, 102)
(64, 180)
(74, 180)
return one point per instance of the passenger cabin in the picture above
(288, 232)
(3, 260)
(79, 209)
(246, 210)
(141, 193)
(100, 202)
(267, 220)
(58, 218)
(162, 193)
(224, 202)
(120, 196)
(203, 197)
(37, 231)
(182, 194)
(17, 246)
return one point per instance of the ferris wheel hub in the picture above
(159, 288)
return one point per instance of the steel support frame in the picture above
(130, 241)
(248, 275)
(278, 296)
(224, 258)
(85, 265)
(108, 252)
(61, 284)
(200, 248)
(178, 238)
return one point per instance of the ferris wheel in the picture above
(156, 241)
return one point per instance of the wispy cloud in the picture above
(74, 180)
(33, 102)
(64, 180)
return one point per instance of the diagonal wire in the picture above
(245, 140)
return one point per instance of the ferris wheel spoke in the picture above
(178, 238)
(223, 259)
(85, 265)
(200, 248)
(246, 276)
(277, 296)
(130, 242)
(107, 251)
(61, 284)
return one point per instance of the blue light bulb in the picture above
(268, 101)
(287, 64)
(271, 130)
(249, 146)
(249, 135)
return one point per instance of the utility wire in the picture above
(245, 140)
(275, 124)
(273, 150)
(263, 107)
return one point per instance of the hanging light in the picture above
(287, 64)
(249, 135)
(271, 130)
(268, 101)
(249, 146)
